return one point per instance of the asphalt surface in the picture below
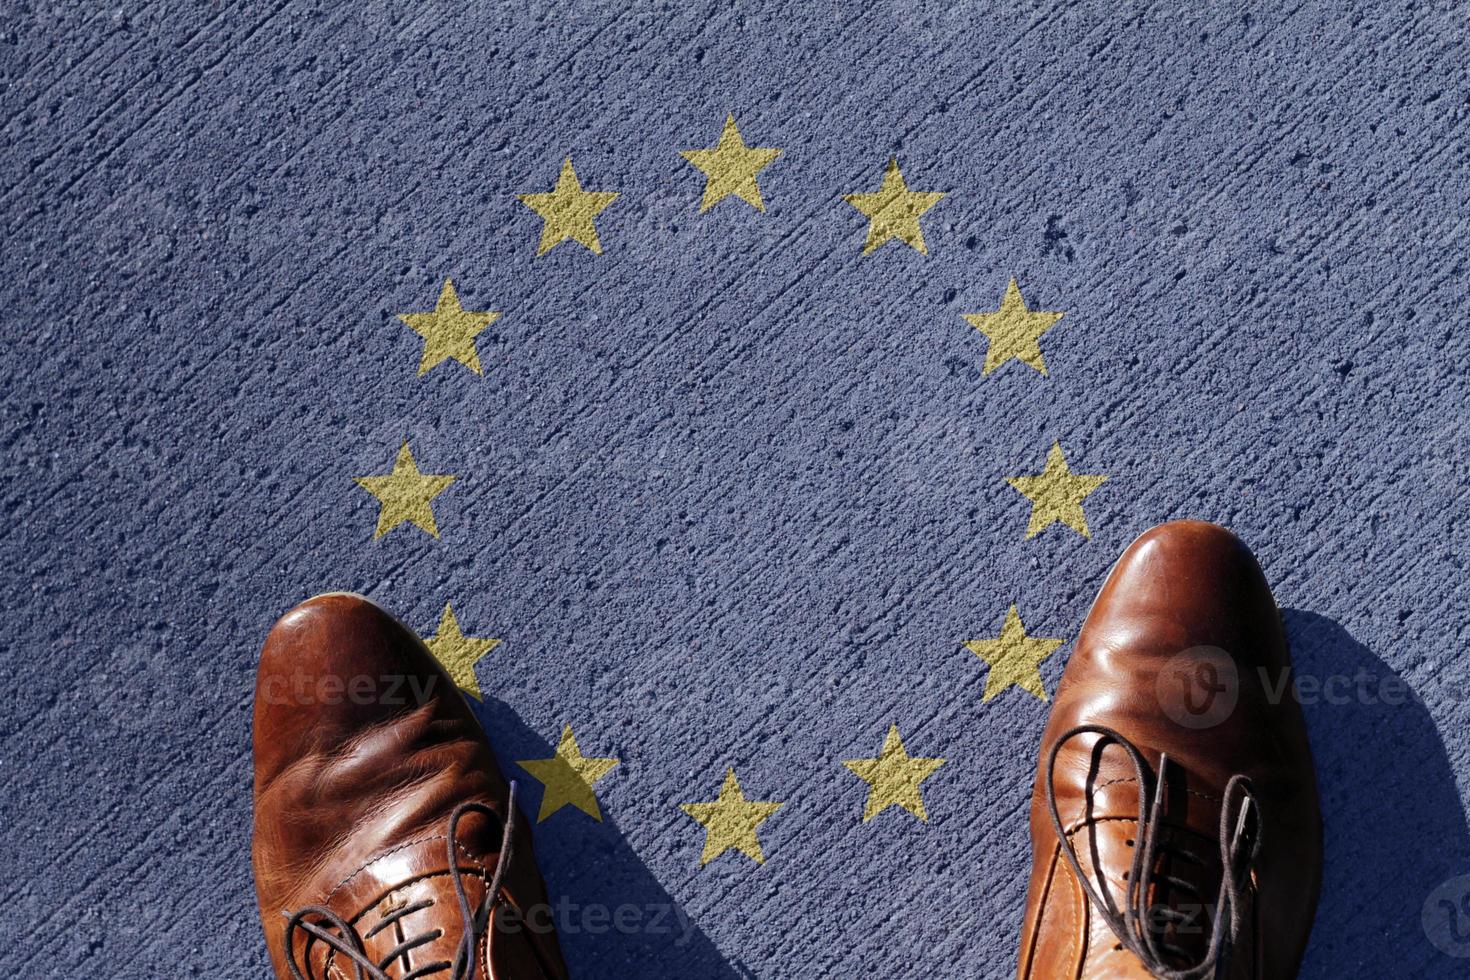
(731, 493)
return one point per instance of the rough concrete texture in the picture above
(731, 493)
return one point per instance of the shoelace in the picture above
(1132, 923)
(342, 937)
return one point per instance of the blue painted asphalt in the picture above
(731, 493)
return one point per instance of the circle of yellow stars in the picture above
(733, 169)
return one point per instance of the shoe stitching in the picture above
(1085, 926)
(1052, 894)
(1030, 940)
(1207, 797)
(1075, 955)
(1085, 822)
(393, 850)
(485, 946)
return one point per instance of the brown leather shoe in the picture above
(1174, 823)
(384, 832)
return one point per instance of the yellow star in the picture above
(1014, 332)
(404, 495)
(730, 168)
(459, 653)
(893, 211)
(731, 821)
(568, 777)
(1013, 658)
(1056, 494)
(893, 778)
(568, 212)
(449, 331)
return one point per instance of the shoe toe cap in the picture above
(334, 664)
(1186, 584)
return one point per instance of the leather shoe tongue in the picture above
(1100, 812)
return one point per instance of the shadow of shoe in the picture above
(1394, 828)
(613, 918)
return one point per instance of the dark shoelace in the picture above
(339, 934)
(1132, 923)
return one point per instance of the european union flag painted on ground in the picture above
(745, 401)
